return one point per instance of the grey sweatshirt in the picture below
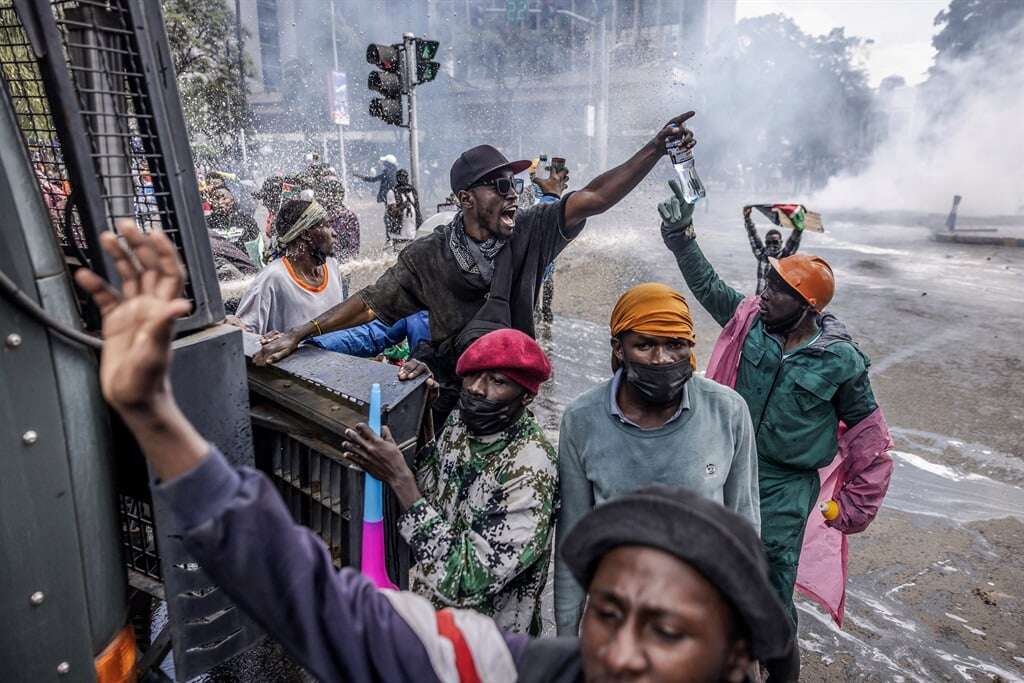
(709, 447)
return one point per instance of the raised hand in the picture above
(675, 211)
(675, 128)
(381, 457)
(138, 321)
(555, 183)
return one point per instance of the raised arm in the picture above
(793, 243)
(608, 189)
(717, 298)
(336, 624)
(756, 245)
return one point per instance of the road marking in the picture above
(908, 352)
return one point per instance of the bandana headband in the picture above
(313, 215)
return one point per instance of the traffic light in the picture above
(388, 82)
(426, 69)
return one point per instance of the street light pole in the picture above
(602, 102)
(414, 146)
(600, 27)
(341, 129)
(241, 79)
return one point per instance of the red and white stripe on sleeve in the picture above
(463, 646)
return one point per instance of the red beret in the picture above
(510, 352)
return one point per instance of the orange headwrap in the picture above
(654, 309)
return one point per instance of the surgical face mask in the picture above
(659, 384)
(787, 324)
(483, 416)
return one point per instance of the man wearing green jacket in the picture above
(799, 372)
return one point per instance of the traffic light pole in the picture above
(409, 40)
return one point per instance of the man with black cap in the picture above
(490, 252)
(679, 588)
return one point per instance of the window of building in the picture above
(270, 44)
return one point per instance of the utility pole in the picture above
(600, 28)
(602, 102)
(409, 41)
(241, 81)
(341, 128)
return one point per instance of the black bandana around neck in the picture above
(472, 256)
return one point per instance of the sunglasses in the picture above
(503, 186)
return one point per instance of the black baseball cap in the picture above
(482, 160)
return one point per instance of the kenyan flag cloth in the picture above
(792, 216)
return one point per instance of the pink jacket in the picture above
(857, 479)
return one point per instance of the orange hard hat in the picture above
(809, 275)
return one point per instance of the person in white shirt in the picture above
(302, 280)
(402, 212)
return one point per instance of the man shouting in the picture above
(490, 252)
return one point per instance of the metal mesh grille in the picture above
(107, 74)
(138, 537)
(106, 71)
(24, 86)
(314, 487)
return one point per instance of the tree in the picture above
(785, 104)
(970, 27)
(975, 46)
(204, 49)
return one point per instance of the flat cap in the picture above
(720, 544)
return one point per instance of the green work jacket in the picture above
(796, 401)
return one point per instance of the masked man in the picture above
(806, 384)
(303, 276)
(652, 422)
(480, 510)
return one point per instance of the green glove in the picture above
(675, 212)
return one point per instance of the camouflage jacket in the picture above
(481, 534)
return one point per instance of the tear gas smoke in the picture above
(964, 139)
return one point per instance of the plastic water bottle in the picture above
(682, 159)
(542, 164)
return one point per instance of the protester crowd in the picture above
(676, 506)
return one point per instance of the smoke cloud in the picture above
(963, 137)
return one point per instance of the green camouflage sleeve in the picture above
(426, 470)
(506, 537)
